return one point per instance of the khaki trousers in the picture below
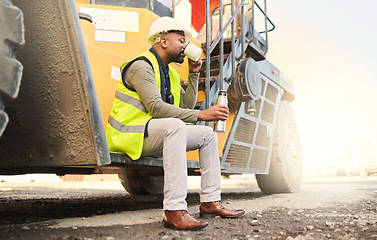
(171, 138)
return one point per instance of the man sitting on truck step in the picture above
(148, 118)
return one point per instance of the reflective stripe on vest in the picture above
(123, 128)
(128, 117)
(131, 100)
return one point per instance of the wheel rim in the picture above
(293, 159)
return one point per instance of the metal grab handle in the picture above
(266, 17)
(208, 55)
(221, 35)
(222, 31)
(219, 38)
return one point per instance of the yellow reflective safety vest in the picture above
(128, 118)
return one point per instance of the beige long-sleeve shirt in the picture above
(140, 77)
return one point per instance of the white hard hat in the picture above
(163, 25)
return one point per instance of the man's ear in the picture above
(164, 42)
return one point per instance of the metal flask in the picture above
(220, 125)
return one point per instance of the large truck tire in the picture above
(285, 172)
(142, 182)
(11, 40)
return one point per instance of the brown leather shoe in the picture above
(182, 220)
(211, 209)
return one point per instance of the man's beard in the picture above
(178, 58)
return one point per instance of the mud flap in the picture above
(56, 119)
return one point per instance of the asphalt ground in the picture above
(325, 208)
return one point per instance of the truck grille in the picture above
(258, 159)
(251, 142)
(271, 93)
(245, 131)
(268, 112)
(262, 138)
(238, 156)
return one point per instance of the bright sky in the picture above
(328, 49)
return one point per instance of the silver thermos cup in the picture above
(219, 126)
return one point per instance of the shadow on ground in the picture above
(32, 207)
